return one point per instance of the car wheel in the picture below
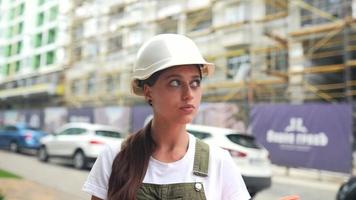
(14, 147)
(79, 160)
(42, 154)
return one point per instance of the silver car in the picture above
(250, 157)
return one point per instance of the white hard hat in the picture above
(164, 51)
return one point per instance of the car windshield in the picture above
(32, 128)
(104, 133)
(243, 140)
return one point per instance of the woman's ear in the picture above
(147, 92)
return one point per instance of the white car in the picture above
(251, 158)
(80, 142)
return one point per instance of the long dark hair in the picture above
(130, 165)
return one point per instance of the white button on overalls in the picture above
(198, 187)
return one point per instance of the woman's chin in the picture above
(185, 120)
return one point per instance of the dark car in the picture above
(20, 136)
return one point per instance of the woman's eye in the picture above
(195, 83)
(174, 83)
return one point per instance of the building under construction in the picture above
(264, 50)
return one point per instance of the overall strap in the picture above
(201, 159)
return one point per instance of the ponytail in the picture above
(130, 165)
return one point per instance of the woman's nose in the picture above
(187, 92)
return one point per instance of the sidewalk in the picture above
(309, 184)
(308, 175)
(21, 189)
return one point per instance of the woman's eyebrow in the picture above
(173, 76)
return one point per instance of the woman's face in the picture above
(176, 94)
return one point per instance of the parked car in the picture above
(79, 142)
(20, 137)
(251, 158)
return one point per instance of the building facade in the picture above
(33, 43)
(81, 53)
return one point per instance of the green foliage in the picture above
(6, 174)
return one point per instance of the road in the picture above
(69, 181)
(54, 175)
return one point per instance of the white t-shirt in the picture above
(224, 180)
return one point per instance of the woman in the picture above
(163, 161)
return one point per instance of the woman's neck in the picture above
(171, 140)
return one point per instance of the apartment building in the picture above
(108, 35)
(264, 50)
(33, 43)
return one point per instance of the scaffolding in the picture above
(292, 51)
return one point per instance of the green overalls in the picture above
(181, 191)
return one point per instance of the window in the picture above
(18, 47)
(77, 53)
(199, 20)
(20, 28)
(115, 43)
(238, 67)
(7, 69)
(50, 57)
(169, 25)
(116, 13)
(92, 50)
(77, 131)
(51, 36)
(243, 140)
(277, 60)
(36, 61)
(75, 87)
(110, 84)
(91, 84)
(332, 7)
(78, 32)
(276, 6)
(236, 13)
(38, 40)
(65, 132)
(8, 50)
(7, 32)
(53, 13)
(10, 32)
(10, 128)
(12, 14)
(199, 134)
(21, 9)
(40, 19)
(112, 134)
(135, 37)
(17, 66)
(17, 29)
(40, 2)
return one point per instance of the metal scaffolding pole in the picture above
(346, 54)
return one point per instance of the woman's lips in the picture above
(187, 108)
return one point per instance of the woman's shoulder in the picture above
(110, 151)
(216, 153)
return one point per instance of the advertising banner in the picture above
(225, 115)
(315, 136)
(118, 117)
(12, 117)
(33, 118)
(54, 118)
(80, 115)
(140, 115)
